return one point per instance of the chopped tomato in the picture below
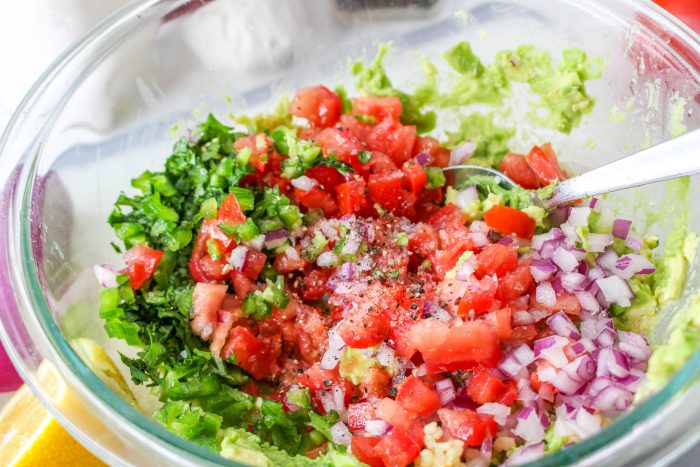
(358, 129)
(379, 107)
(418, 397)
(351, 196)
(375, 383)
(500, 319)
(396, 415)
(524, 334)
(364, 328)
(515, 284)
(316, 198)
(261, 149)
(363, 447)
(459, 345)
(484, 388)
(516, 167)
(202, 267)
(254, 264)
(424, 241)
(288, 261)
(328, 177)
(314, 285)
(230, 210)
(468, 426)
(400, 334)
(543, 162)
(241, 283)
(507, 221)
(141, 263)
(425, 144)
(479, 296)
(380, 163)
(255, 355)
(311, 333)
(358, 414)
(386, 189)
(318, 104)
(393, 139)
(415, 174)
(316, 379)
(341, 143)
(495, 259)
(206, 302)
(399, 448)
(447, 218)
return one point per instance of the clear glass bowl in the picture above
(100, 116)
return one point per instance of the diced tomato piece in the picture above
(363, 447)
(515, 284)
(506, 220)
(396, 415)
(500, 319)
(253, 354)
(241, 284)
(375, 383)
(418, 397)
(543, 162)
(202, 267)
(400, 335)
(351, 196)
(447, 218)
(254, 264)
(342, 143)
(425, 144)
(469, 426)
(359, 129)
(328, 177)
(457, 345)
(380, 163)
(424, 241)
(141, 262)
(495, 259)
(484, 388)
(261, 149)
(379, 107)
(415, 176)
(479, 296)
(288, 261)
(358, 414)
(516, 167)
(318, 104)
(364, 328)
(393, 139)
(386, 189)
(317, 379)
(399, 448)
(311, 332)
(442, 158)
(316, 198)
(224, 321)
(314, 285)
(206, 302)
(230, 210)
(524, 334)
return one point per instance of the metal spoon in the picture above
(674, 158)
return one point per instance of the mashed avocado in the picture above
(354, 364)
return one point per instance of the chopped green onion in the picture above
(247, 230)
(208, 209)
(290, 216)
(368, 119)
(244, 196)
(255, 306)
(268, 225)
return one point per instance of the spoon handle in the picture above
(671, 159)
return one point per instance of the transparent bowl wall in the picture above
(102, 114)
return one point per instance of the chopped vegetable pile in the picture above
(312, 293)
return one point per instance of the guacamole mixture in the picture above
(305, 289)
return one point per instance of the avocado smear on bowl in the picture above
(302, 288)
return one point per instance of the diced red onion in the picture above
(545, 294)
(256, 243)
(522, 318)
(634, 345)
(555, 355)
(422, 370)
(467, 269)
(564, 259)
(464, 197)
(549, 247)
(292, 253)
(584, 423)
(462, 153)
(424, 158)
(566, 384)
(615, 290)
(593, 203)
(542, 269)
(442, 314)
(588, 301)
(510, 367)
(549, 341)
(621, 228)
(354, 287)
(611, 362)
(582, 368)
(634, 242)
(632, 381)
(605, 338)
(377, 427)
(238, 256)
(352, 242)
(578, 217)
(500, 412)
(106, 275)
(527, 453)
(539, 240)
(333, 399)
(304, 183)
(562, 325)
(327, 259)
(335, 349)
(571, 281)
(479, 239)
(385, 355)
(446, 391)
(529, 426)
(276, 238)
(612, 398)
(570, 233)
(479, 226)
(627, 266)
(598, 242)
(341, 434)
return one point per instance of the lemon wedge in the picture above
(30, 436)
